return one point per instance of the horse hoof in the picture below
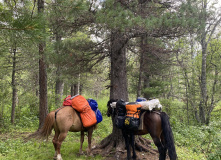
(81, 153)
(59, 157)
(90, 154)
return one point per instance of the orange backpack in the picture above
(132, 120)
(133, 110)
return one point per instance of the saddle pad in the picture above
(141, 121)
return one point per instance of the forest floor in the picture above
(140, 156)
(152, 154)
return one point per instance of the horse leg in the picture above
(163, 143)
(90, 131)
(162, 149)
(59, 142)
(82, 141)
(127, 145)
(132, 138)
(54, 141)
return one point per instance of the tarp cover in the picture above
(145, 105)
(93, 104)
(88, 116)
(98, 116)
(152, 104)
(79, 103)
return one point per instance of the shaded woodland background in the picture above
(114, 49)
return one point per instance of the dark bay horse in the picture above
(65, 119)
(157, 125)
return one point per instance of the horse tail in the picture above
(46, 129)
(168, 135)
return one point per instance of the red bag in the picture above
(67, 101)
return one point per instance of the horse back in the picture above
(67, 119)
(151, 124)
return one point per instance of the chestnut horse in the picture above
(65, 119)
(155, 123)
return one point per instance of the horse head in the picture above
(110, 110)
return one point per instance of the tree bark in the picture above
(146, 84)
(203, 85)
(59, 92)
(14, 89)
(43, 105)
(118, 89)
(59, 86)
(74, 89)
(140, 79)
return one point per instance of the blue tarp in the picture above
(94, 107)
(140, 99)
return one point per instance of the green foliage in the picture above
(200, 140)
(156, 88)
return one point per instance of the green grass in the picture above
(13, 146)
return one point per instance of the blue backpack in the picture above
(94, 107)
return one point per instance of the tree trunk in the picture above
(146, 84)
(59, 87)
(203, 85)
(118, 89)
(192, 92)
(14, 90)
(140, 79)
(203, 104)
(43, 105)
(74, 89)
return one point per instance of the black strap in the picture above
(59, 110)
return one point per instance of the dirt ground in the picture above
(140, 156)
(151, 155)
